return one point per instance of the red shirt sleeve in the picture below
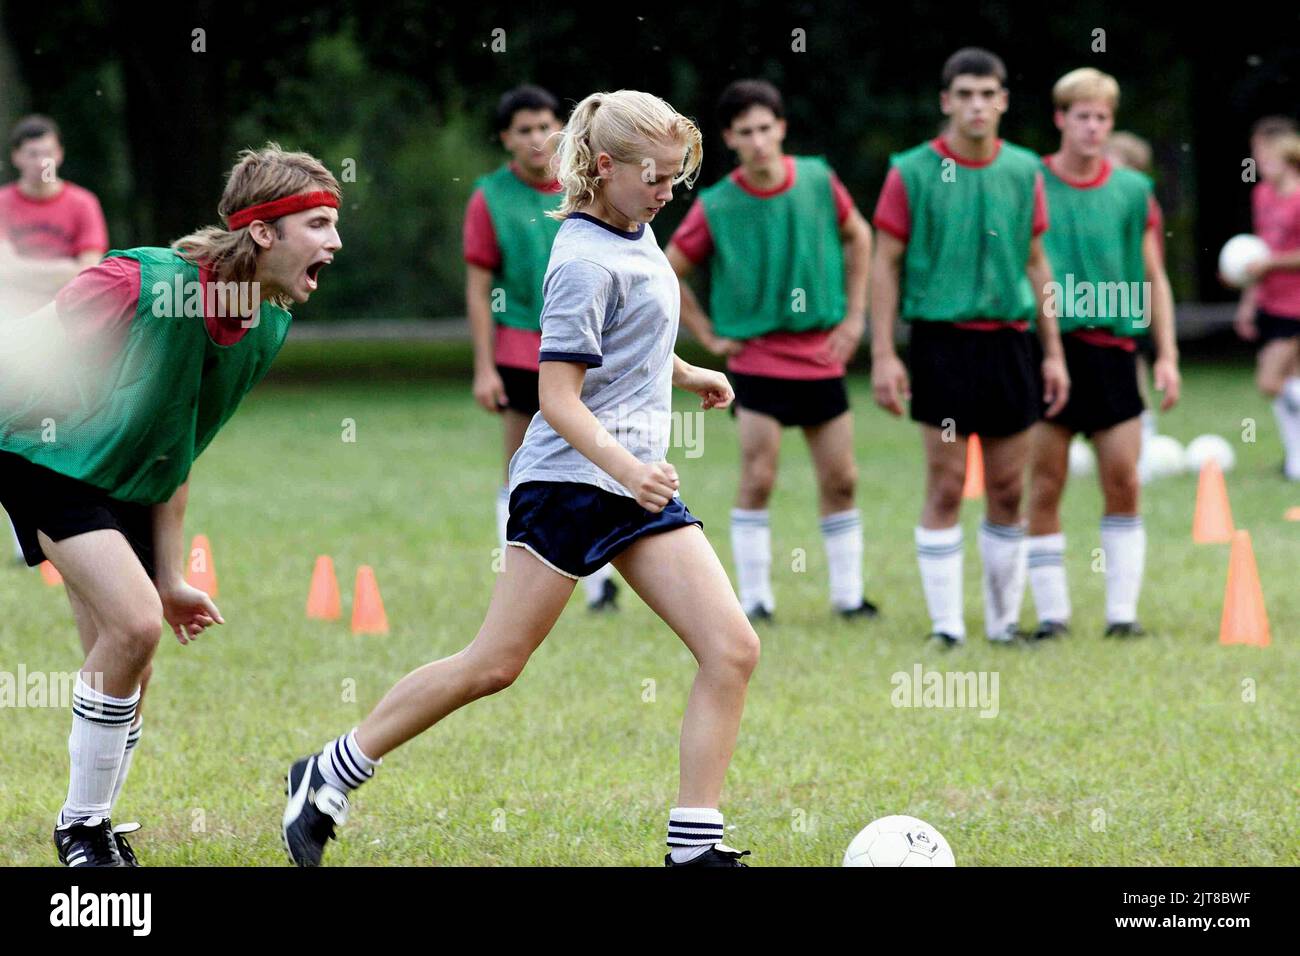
(1155, 218)
(692, 236)
(843, 201)
(96, 308)
(1040, 206)
(480, 237)
(92, 230)
(892, 213)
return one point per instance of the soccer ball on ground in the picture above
(899, 841)
(1161, 457)
(1204, 447)
(1083, 461)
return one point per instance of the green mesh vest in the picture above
(778, 261)
(524, 234)
(970, 234)
(1095, 247)
(134, 427)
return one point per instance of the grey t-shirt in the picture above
(610, 301)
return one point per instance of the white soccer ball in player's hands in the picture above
(899, 841)
(1237, 256)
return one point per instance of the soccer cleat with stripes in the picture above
(88, 843)
(314, 809)
(716, 855)
(123, 848)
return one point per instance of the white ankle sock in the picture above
(1124, 544)
(751, 549)
(343, 765)
(842, 535)
(1002, 548)
(1045, 556)
(692, 831)
(939, 554)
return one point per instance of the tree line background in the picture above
(153, 112)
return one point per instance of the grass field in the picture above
(1168, 750)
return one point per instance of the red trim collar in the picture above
(940, 146)
(738, 177)
(551, 186)
(1098, 180)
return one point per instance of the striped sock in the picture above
(1046, 560)
(751, 550)
(100, 726)
(692, 831)
(842, 535)
(132, 739)
(343, 765)
(1124, 544)
(1002, 547)
(938, 552)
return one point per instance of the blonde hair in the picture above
(259, 176)
(623, 124)
(1131, 150)
(1287, 149)
(1085, 83)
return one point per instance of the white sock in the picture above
(1002, 548)
(938, 552)
(842, 535)
(594, 583)
(751, 549)
(1045, 556)
(1124, 544)
(692, 830)
(503, 513)
(132, 739)
(343, 765)
(1287, 409)
(100, 726)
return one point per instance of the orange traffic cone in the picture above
(1292, 514)
(368, 615)
(50, 574)
(202, 573)
(1212, 522)
(1245, 620)
(323, 599)
(974, 487)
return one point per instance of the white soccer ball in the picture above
(899, 841)
(1083, 461)
(1204, 447)
(1239, 253)
(1161, 457)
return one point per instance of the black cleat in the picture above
(1125, 629)
(608, 600)
(314, 809)
(717, 855)
(946, 641)
(759, 614)
(865, 609)
(123, 848)
(89, 843)
(1049, 629)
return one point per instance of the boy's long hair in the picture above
(623, 124)
(260, 175)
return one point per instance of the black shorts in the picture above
(39, 499)
(1273, 327)
(1146, 348)
(791, 401)
(1103, 387)
(982, 383)
(577, 528)
(521, 389)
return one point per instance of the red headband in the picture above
(280, 207)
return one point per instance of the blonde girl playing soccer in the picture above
(589, 485)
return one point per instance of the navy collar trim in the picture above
(621, 233)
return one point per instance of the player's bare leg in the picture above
(751, 534)
(680, 578)
(1049, 468)
(831, 446)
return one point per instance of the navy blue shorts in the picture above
(577, 528)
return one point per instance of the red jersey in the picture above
(60, 227)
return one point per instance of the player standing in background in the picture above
(959, 256)
(50, 229)
(107, 396)
(1269, 312)
(507, 239)
(582, 496)
(788, 255)
(1104, 246)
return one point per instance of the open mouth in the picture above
(313, 272)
